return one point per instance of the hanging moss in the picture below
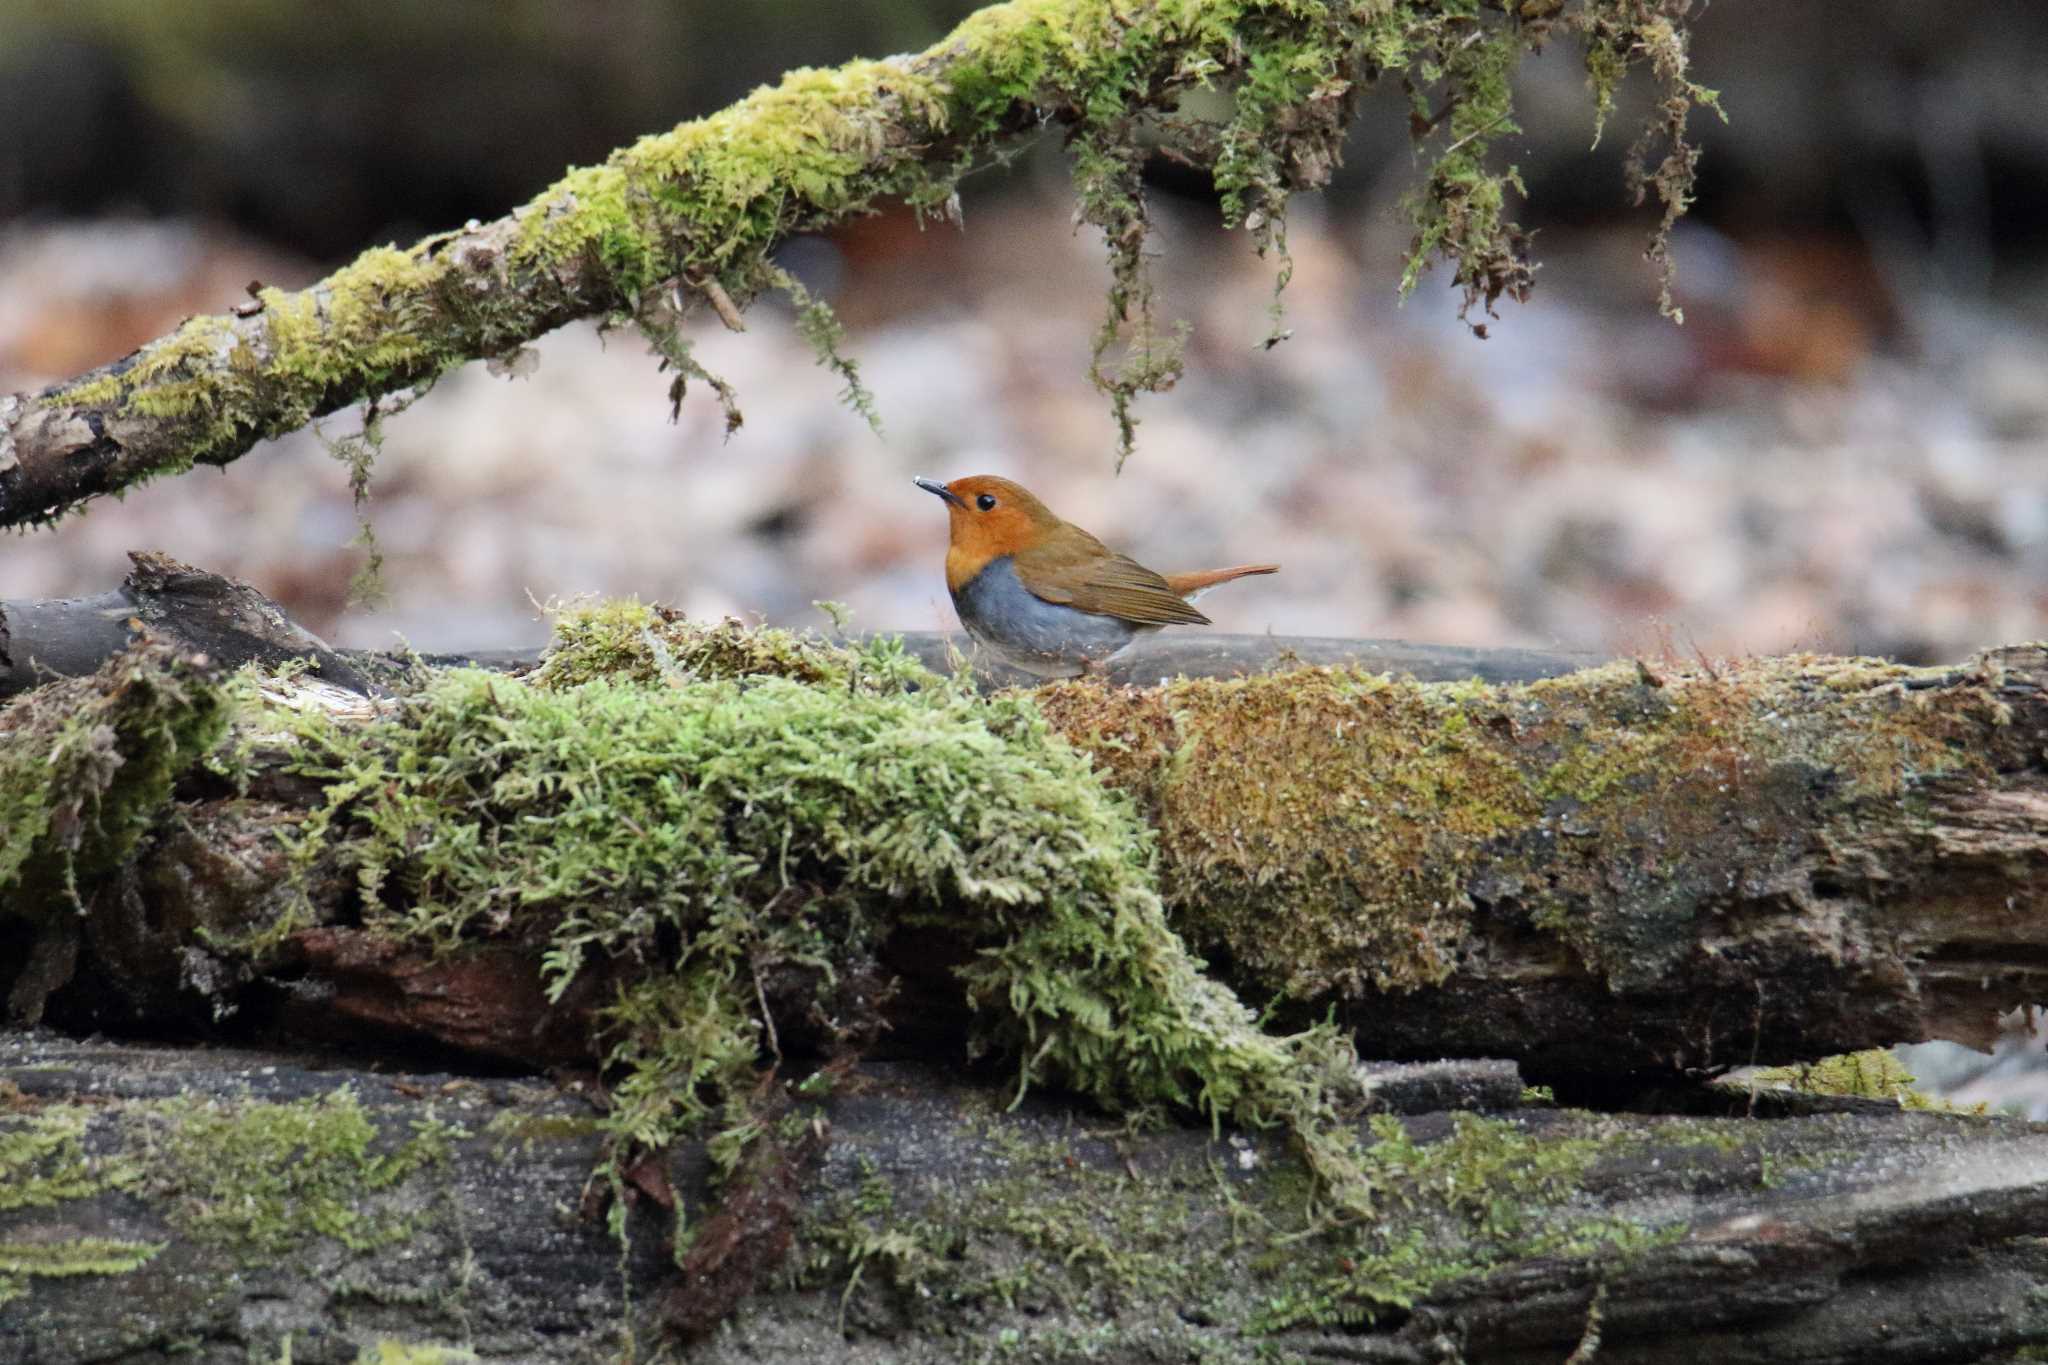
(699, 210)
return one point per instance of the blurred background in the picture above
(1841, 449)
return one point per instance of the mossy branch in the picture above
(702, 207)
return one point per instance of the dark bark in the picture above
(1869, 1235)
(229, 622)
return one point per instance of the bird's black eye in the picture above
(986, 502)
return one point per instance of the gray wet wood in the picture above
(235, 624)
(1871, 1235)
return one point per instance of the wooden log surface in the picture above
(1791, 859)
(936, 1223)
(233, 623)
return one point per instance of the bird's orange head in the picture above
(990, 517)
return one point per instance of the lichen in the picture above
(1211, 1252)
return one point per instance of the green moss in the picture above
(1320, 826)
(1873, 1074)
(690, 834)
(44, 1165)
(626, 641)
(260, 1178)
(22, 1262)
(521, 1129)
(705, 204)
(87, 763)
(1328, 829)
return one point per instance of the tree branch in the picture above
(704, 206)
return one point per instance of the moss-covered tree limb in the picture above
(376, 1205)
(695, 214)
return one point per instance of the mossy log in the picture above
(694, 215)
(1609, 870)
(717, 874)
(226, 1205)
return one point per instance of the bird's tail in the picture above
(1193, 585)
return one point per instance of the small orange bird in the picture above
(1043, 594)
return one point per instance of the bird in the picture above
(1041, 593)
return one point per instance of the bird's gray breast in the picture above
(1037, 636)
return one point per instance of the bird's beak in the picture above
(934, 486)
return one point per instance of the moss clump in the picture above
(44, 1165)
(696, 835)
(1873, 1074)
(1318, 825)
(260, 1178)
(1328, 829)
(626, 641)
(87, 763)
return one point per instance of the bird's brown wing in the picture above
(1091, 578)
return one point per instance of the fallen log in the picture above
(225, 1202)
(1611, 870)
(1624, 869)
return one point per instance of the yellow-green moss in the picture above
(87, 763)
(1873, 1074)
(44, 1165)
(389, 1352)
(1328, 829)
(259, 1177)
(1321, 824)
